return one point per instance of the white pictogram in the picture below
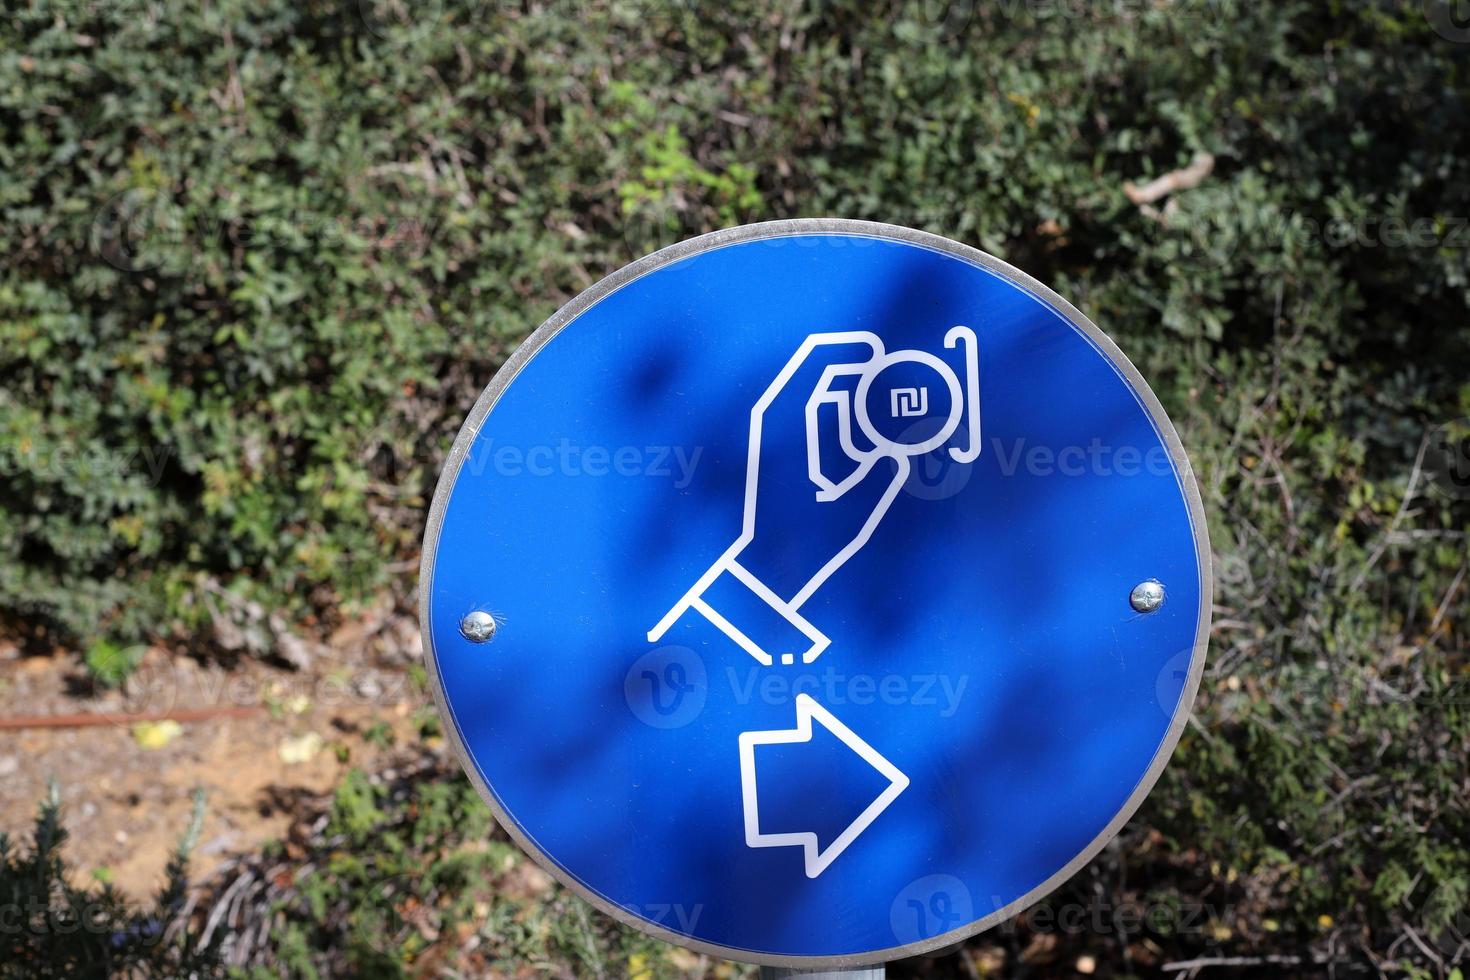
(909, 402)
(850, 406)
(817, 858)
(854, 500)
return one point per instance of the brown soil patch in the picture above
(125, 806)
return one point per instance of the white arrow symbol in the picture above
(817, 859)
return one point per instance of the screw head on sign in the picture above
(1147, 596)
(478, 627)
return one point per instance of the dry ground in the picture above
(292, 734)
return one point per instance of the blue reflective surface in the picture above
(981, 640)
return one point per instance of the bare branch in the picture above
(1183, 179)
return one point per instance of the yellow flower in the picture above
(156, 734)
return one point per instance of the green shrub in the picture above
(52, 927)
(408, 877)
(260, 257)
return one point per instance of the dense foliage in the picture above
(261, 256)
(405, 875)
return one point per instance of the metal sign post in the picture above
(815, 593)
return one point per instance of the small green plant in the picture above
(110, 663)
(669, 170)
(379, 734)
(54, 927)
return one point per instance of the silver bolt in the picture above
(478, 627)
(1147, 595)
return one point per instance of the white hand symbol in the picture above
(784, 553)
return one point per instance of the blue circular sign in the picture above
(810, 548)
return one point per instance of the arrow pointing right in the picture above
(817, 859)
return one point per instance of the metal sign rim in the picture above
(783, 229)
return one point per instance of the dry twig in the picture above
(1182, 179)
